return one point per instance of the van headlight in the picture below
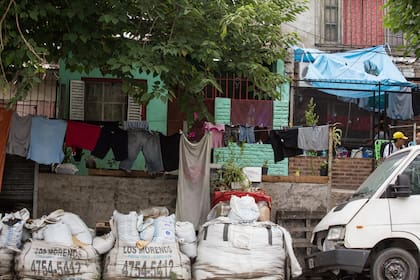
(335, 238)
(336, 233)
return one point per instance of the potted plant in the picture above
(311, 119)
(323, 168)
(234, 177)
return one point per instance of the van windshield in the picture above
(378, 176)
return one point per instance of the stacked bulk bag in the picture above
(156, 260)
(6, 264)
(45, 260)
(61, 248)
(187, 240)
(11, 232)
(145, 248)
(240, 247)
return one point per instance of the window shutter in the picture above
(77, 100)
(133, 110)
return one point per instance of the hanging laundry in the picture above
(82, 135)
(136, 125)
(169, 146)
(112, 137)
(400, 106)
(416, 103)
(246, 134)
(262, 135)
(313, 138)
(196, 131)
(5, 120)
(148, 142)
(47, 138)
(231, 134)
(193, 196)
(19, 135)
(252, 112)
(217, 133)
(285, 143)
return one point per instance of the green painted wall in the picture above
(156, 115)
(256, 154)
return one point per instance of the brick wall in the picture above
(347, 173)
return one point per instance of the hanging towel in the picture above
(5, 120)
(314, 138)
(82, 135)
(19, 135)
(193, 196)
(47, 138)
(252, 112)
(400, 106)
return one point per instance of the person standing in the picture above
(399, 141)
(418, 138)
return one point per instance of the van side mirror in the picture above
(402, 187)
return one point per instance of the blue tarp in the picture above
(354, 74)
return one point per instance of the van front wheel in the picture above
(394, 264)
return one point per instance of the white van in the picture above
(377, 230)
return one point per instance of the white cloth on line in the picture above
(193, 196)
(313, 138)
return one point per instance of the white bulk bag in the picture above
(147, 230)
(185, 234)
(126, 225)
(185, 231)
(154, 212)
(104, 243)
(6, 262)
(164, 229)
(77, 227)
(189, 249)
(243, 209)
(156, 260)
(230, 250)
(53, 261)
(11, 236)
(58, 233)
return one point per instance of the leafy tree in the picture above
(185, 42)
(404, 16)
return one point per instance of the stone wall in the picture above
(94, 198)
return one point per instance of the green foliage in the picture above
(404, 16)
(311, 116)
(232, 166)
(184, 42)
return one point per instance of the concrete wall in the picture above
(94, 198)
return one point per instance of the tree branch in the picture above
(1, 22)
(24, 39)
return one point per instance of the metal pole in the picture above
(330, 161)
